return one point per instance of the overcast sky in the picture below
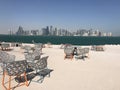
(103, 15)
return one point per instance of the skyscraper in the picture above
(20, 31)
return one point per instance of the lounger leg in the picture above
(9, 83)
(25, 79)
(88, 56)
(3, 78)
(71, 57)
(64, 57)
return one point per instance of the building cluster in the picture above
(51, 31)
(91, 32)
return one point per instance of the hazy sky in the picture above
(103, 15)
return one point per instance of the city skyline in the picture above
(103, 15)
(54, 31)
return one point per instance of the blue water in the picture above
(75, 40)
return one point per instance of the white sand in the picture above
(100, 72)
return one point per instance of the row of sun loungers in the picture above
(5, 46)
(78, 53)
(24, 71)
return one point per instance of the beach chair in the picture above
(27, 48)
(32, 57)
(93, 47)
(86, 52)
(18, 70)
(68, 52)
(99, 48)
(41, 69)
(80, 54)
(39, 46)
(37, 50)
(5, 46)
(4, 58)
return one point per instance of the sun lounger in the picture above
(69, 52)
(86, 52)
(82, 53)
(15, 69)
(5, 46)
(41, 69)
(97, 48)
(32, 57)
(4, 58)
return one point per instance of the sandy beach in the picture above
(99, 72)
